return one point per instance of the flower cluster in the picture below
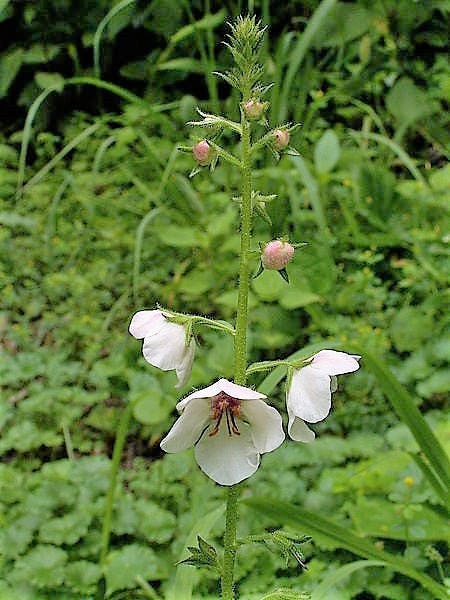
(230, 425)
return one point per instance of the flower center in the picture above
(223, 403)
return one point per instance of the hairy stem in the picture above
(240, 353)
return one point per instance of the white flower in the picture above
(165, 345)
(230, 427)
(309, 394)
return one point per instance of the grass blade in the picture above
(298, 54)
(408, 412)
(295, 516)
(99, 32)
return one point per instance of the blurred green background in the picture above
(98, 219)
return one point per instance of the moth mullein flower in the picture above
(281, 138)
(309, 394)
(277, 254)
(166, 344)
(203, 153)
(230, 426)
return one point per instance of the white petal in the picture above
(223, 385)
(185, 367)
(228, 459)
(166, 349)
(188, 427)
(146, 322)
(299, 431)
(266, 425)
(309, 396)
(335, 363)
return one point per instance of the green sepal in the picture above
(202, 555)
(260, 270)
(194, 171)
(284, 275)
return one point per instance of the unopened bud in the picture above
(203, 153)
(276, 255)
(281, 138)
(254, 109)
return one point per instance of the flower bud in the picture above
(281, 138)
(203, 153)
(276, 255)
(254, 109)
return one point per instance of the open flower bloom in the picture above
(230, 427)
(309, 394)
(165, 345)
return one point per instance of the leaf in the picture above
(411, 416)
(410, 327)
(407, 102)
(184, 577)
(322, 591)
(188, 65)
(317, 525)
(327, 152)
(209, 21)
(43, 566)
(46, 80)
(124, 565)
(413, 522)
(82, 576)
(10, 64)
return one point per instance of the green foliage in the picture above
(369, 193)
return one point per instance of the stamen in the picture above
(216, 428)
(235, 427)
(231, 406)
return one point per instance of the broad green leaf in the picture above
(82, 575)
(322, 591)
(43, 566)
(407, 102)
(410, 327)
(46, 80)
(327, 152)
(414, 522)
(313, 524)
(124, 565)
(10, 64)
(185, 574)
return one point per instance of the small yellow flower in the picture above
(408, 480)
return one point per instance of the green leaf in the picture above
(327, 152)
(413, 522)
(410, 327)
(209, 21)
(407, 102)
(185, 575)
(322, 591)
(187, 65)
(43, 566)
(46, 80)
(411, 416)
(82, 576)
(124, 565)
(10, 64)
(317, 525)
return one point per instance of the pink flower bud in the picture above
(276, 255)
(281, 138)
(254, 110)
(203, 153)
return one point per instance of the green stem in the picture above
(240, 353)
(121, 435)
(240, 340)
